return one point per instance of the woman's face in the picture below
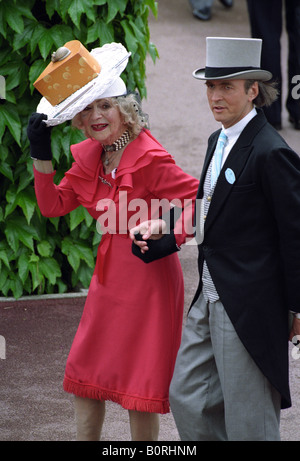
(102, 121)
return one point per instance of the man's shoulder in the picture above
(268, 135)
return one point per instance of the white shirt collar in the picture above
(234, 132)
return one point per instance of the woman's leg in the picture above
(89, 418)
(143, 426)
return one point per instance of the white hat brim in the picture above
(113, 59)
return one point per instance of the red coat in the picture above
(127, 340)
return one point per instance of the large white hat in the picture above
(113, 59)
(232, 58)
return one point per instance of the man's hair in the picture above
(267, 92)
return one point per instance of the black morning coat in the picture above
(252, 244)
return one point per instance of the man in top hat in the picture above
(231, 375)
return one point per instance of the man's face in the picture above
(229, 101)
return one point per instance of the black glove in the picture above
(39, 135)
(157, 248)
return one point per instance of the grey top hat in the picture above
(232, 58)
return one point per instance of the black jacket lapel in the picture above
(235, 162)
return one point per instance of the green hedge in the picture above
(39, 255)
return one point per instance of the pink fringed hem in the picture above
(128, 402)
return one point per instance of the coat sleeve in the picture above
(166, 180)
(281, 182)
(54, 200)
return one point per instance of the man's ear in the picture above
(253, 91)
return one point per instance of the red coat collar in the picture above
(84, 172)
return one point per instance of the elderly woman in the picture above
(129, 334)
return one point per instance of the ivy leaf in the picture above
(21, 40)
(35, 70)
(153, 51)
(55, 143)
(25, 178)
(51, 7)
(117, 6)
(62, 287)
(11, 200)
(17, 230)
(26, 200)
(79, 215)
(85, 253)
(17, 288)
(100, 30)
(4, 258)
(64, 6)
(33, 268)
(84, 275)
(3, 24)
(65, 141)
(25, 10)
(13, 17)
(36, 37)
(46, 43)
(76, 251)
(23, 268)
(10, 116)
(3, 278)
(12, 287)
(44, 248)
(16, 235)
(131, 41)
(153, 6)
(71, 252)
(76, 136)
(50, 269)
(77, 8)
(76, 217)
(61, 34)
(55, 222)
(2, 130)
(6, 170)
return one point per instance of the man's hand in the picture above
(153, 229)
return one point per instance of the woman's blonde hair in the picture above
(130, 110)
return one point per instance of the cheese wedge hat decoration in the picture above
(75, 78)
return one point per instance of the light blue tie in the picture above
(217, 158)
